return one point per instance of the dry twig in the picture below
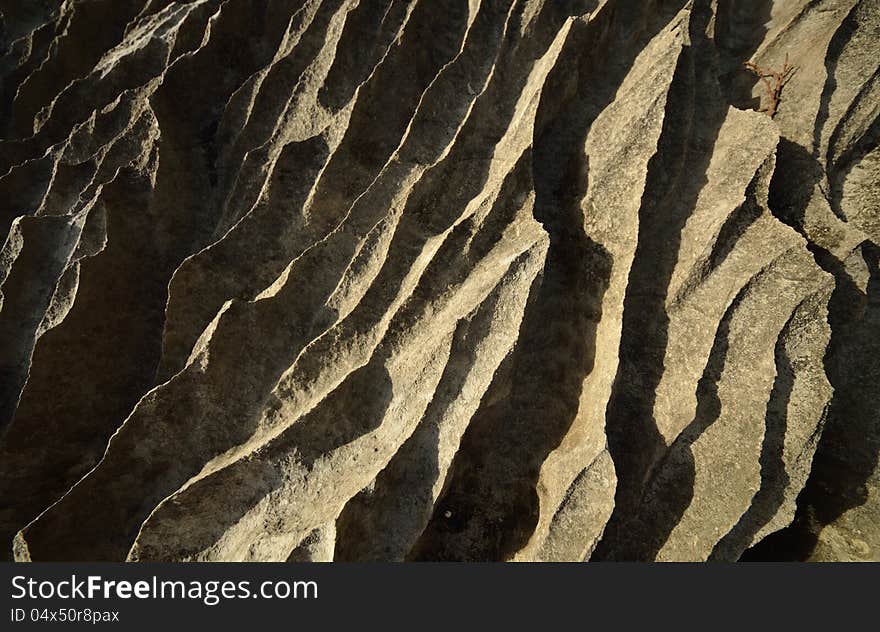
(774, 82)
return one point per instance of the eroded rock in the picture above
(439, 280)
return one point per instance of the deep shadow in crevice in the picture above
(489, 507)
(840, 168)
(669, 489)
(384, 521)
(848, 450)
(91, 369)
(839, 41)
(848, 447)
(201, 514)
(793, 183)
(735, 226)
(676, 175)
(740, 27)
(774, 478)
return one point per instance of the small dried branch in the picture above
(774, 81)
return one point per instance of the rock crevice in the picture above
(313, 280)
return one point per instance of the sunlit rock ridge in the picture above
(311, 280)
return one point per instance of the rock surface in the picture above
(440, 280)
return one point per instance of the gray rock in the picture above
(399, 280)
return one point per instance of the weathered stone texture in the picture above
(316, 280)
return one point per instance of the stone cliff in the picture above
(440, 280)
